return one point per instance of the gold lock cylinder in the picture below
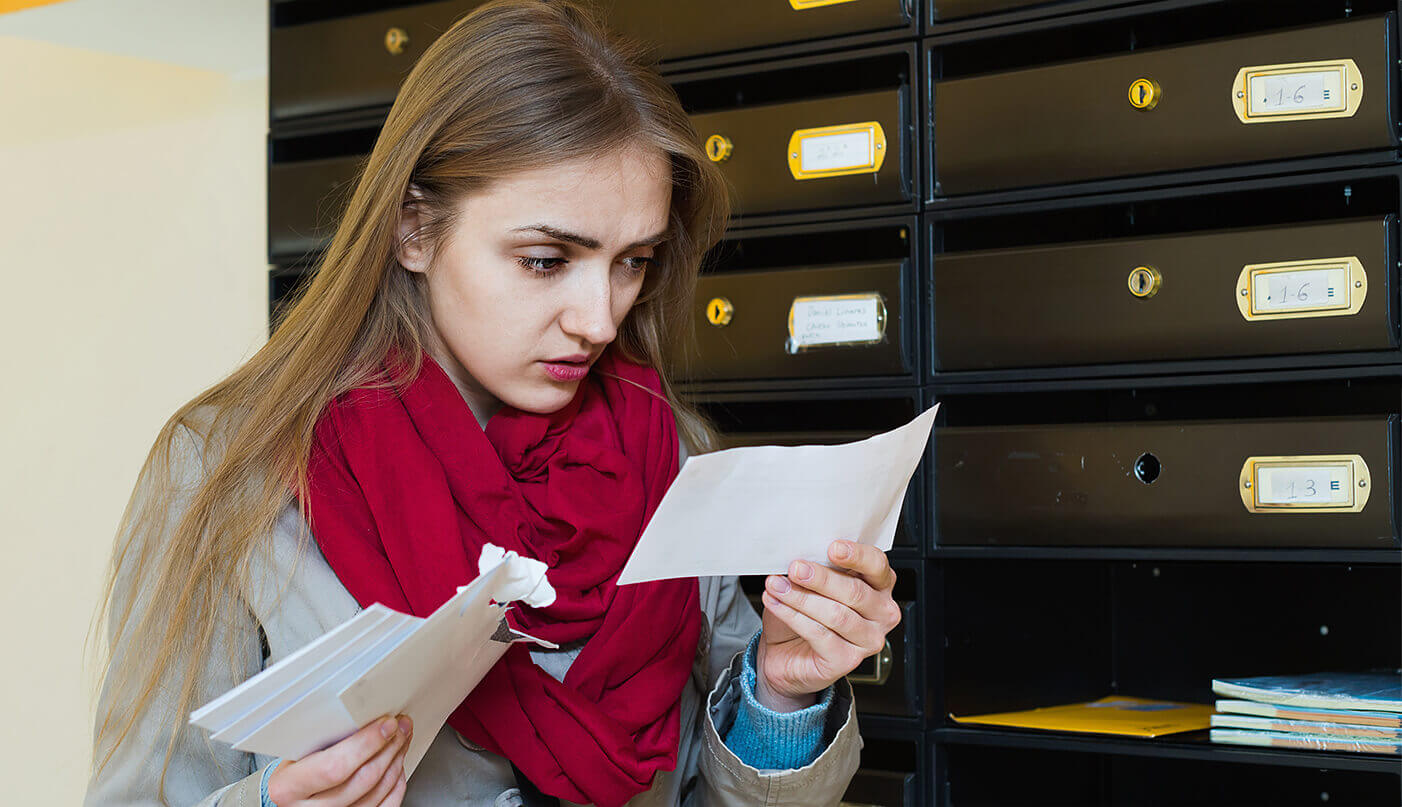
(1144, 281)
(1144, 93)
(719, 312)
(718, 148)
(396, 39)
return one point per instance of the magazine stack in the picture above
(1358, 712)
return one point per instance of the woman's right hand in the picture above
(365, 769)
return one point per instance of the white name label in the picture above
(1305, 485)
(835, 320)
(1300, 289)
(836, 152)
(1287, 93)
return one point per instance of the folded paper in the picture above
(756, 509)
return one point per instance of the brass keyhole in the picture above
(396, 39)
(719, 312)
(718, 148)
(1144, 93)
(1144, 281)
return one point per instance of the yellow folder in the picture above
(1134, 717)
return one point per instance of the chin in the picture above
(547, 399)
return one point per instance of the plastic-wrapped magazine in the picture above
(1314, 742)
(1379, 691)
(1349, 716)
(1343, 730)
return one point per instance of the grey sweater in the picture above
(296, 597)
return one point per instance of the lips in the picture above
(567, 368)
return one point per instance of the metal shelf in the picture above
(1195, 745)
(1388, 557)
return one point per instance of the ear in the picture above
(409, 247)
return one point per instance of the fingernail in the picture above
(388, 727)
(778, 585)
(804, 571)
(405, 726)
(843, 551)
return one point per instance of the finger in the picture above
(396, 795)
(854, 592)
(388, 781)
(837, 617)
(364, 779)
(775, 630)
(832, 651)
(866, 560)
(330, 767)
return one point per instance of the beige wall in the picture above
(132, 225)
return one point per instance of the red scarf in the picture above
(405, 488)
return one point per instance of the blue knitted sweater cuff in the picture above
(768, 740)
(263, 790)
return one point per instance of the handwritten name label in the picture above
(835, 320)
(836, 152)
(1301, 289)
(1313, 91)
(1317, 485)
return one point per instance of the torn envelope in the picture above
(381, 662)
(756, 509)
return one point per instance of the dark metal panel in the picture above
(879, 788)
(688, 28)
(954, 9)
(963, 15)
(1332, 187)
(891, 772)
(1188, 374)
(1172, 643)
(344, 63)
(898, 694)
(985, 138)
(755, 342)
(1076, 485)
(758, 167)
(1169, 183)
(1070, 303)
(305, 202)
(1022, 635)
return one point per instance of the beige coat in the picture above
(451, 773)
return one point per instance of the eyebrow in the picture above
(584, 240)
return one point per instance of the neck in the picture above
(482, 403)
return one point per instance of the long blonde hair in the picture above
(513, 85)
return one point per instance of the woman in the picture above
(481, 357)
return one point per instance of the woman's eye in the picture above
(542, 266)
(640, 264)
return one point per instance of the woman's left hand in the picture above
(820, 623)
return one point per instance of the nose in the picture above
(588, 311)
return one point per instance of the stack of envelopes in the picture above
(379, 662)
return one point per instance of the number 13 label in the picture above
(1311, 484)
(1317, 485)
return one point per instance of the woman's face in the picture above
(537, 275)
